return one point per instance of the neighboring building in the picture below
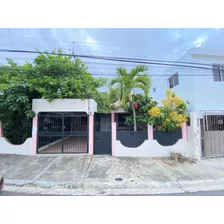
(204, 91)
(202, 88)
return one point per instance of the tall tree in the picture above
(48, 77)
(126, 82)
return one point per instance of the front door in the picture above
(102, 134)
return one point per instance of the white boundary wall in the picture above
(39, 105)
(151, 148)
(8, 148)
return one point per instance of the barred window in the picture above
(173, 80)
(218, 73)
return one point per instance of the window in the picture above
(218, 73)
(173, 80)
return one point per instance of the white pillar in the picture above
(195, 127)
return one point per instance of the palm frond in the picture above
(122, 71)
(144, 79)
(116, 80)
(143, 82)
(138, 69)
(142, 87)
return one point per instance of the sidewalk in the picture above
(85, 175)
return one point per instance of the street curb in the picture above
(114, 188)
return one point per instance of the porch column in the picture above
(112, 117)
(184, 131)
(91, 127)
(114, 137)
(34, 136)
(1, 131)
(150, 132)
(195, 128)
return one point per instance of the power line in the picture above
(117, 65)
(134, 60)
(83, 52)
(36, 47)
(109, 74)
(101, 57)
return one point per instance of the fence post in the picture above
(34, 136)
(112, 117)
(150, 132)
(196, 134)
(114, 137)
(91, 127)
(184, 131)
(1, 131)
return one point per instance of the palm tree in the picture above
(126, 82)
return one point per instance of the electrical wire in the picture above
(2, 69)
(134, 60)
(123, 64)
(138, 60)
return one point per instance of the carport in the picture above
(63, 126)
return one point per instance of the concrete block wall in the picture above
(189, 145)
(39, 105)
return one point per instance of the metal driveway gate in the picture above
(62, 132)
(212, 134)
(102, 134)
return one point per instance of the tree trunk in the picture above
(134, 117)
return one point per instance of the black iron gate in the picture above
(102, 134)
(62, 133)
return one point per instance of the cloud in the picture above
(177, 35)
(200, 40)
(92, 43)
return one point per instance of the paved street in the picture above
(107, 175)
(200, 193)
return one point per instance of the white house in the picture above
(201, 83)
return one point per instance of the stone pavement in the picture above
(106, 175)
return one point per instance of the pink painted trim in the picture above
(91, 134)
(112, 117)
(34, 136)
(150, 132)
(1, 131)
(35, 121)
(184, 131)
(114, 137)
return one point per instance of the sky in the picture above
(162, 44)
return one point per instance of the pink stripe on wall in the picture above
(1, 132)
(114, 137)
(91, 134)
(150, 132)
(184, 131)
(34, 136)
(112, 117)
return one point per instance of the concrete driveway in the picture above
(106, 172)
